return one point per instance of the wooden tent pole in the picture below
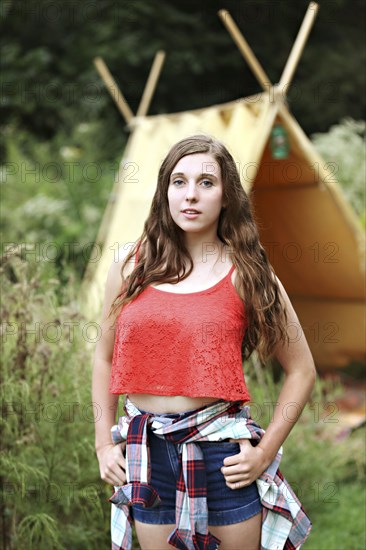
(151, 83)
(245, 49)
(267, 118)
(298, 47)
(113, 89)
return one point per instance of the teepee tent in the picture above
(312, 236)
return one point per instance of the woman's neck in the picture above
(207, 252)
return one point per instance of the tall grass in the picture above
(52, 496)
(326, 472)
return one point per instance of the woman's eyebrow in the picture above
(204, 174)
(208, 175)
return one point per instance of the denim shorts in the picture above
(225, 505)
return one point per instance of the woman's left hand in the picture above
(242, 469)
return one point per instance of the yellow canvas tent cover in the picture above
(312, 236)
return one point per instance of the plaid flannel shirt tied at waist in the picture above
(285, 524)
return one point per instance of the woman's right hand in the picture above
(112, 464)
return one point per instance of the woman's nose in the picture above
(191, 192)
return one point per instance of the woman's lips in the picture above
(191, 216)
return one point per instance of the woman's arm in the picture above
(110, 456)
(300, 374)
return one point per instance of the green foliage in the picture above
(52, 496)
(340, 524)
(344, 148)
(325, 471)
(55, 194)
(39, 531)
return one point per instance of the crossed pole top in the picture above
(118, 96)
(279, 90)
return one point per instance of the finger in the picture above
(246, 449)
(114, 472)
(118, 469)
(114, 481)
(122, 446)
(237, 485)
(245, 443)
(114, 476)
(235, 478)
(232, 470)
(119, 459)
(231, 460)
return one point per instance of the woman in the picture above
(197, 295)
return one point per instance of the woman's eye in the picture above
(177, 181)
(207, 181)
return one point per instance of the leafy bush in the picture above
(322, 469)
(55, 194)
(52, 496)
(344, 147)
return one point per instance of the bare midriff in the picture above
(169, 404)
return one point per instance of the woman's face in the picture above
(195, 183)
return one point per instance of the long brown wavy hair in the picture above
(162, 254)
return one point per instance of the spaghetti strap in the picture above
(228, 275)
(231, 270)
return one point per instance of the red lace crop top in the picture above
(181, 344)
